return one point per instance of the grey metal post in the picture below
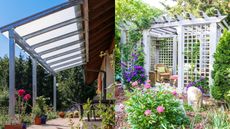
(34, 81)
(54, 93)
(11, 73)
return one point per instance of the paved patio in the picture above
(60, 123)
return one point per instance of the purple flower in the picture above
(138, 67)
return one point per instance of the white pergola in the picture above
(54, 38)
(179, 34)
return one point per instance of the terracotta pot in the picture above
(61, 114)
(37, 120)
(17, 126)
(108, 127)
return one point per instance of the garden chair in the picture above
(162, 73)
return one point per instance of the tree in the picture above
(221, 73)
(194, 6)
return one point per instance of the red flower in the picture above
(21, 92)
(27, 97)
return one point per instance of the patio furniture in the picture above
(162, 73)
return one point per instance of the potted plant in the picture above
(37, 112)
(22, 101)
(41, 104)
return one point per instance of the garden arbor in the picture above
(185, 44)
(56, 38)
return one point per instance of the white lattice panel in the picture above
(166, 52)
(196, 52)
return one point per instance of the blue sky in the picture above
(13, 10)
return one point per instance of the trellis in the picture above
(190, 44)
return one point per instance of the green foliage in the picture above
(135, 16)
(218, 120)
(107, 113)
(227, 96)
(72, 88)
(216, 92)
(193, 6)
(139, 101)
(36, 111)
(221, 73)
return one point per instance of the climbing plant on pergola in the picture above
(180, 37)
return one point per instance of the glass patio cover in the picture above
(54, 38)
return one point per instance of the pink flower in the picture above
(174, 93)
(147, 86)
(148, 112)
(21, 92)
(160, 109)
(148, 81)
(134, 83)
(121, 106)
(27, 97)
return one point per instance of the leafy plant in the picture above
(107, 113)
(154, 109)
(216, 92)
(218, 120)
(201, 83)
(221, 73)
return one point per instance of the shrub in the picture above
(216, 92)
(148, 109)
(227, 96)
(221, 73)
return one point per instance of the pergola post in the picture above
(174, 70)
(213, 44)
(54, 93)
(180, 59)
(34, 80)
(122, 42)
(146, 42)
(11, 73)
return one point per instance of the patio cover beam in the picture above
(22, 43)
(67, 67)
(57, 38)
(64, 53)
(53, 27)
(41, 14)
(62, 47)
(68, 63)
(66, 59)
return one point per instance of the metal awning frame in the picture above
(59, 64)
(21, 40)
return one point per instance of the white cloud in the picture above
(157, 4)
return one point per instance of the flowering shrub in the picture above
(149, 109)
(134, 73)
(23, 99)
(201, 83)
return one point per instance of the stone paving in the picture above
(61, 123)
